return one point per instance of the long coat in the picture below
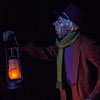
(86, 62)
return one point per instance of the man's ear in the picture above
(74, 28)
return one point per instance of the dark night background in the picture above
(32, 21)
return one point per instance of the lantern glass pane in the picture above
(14, 69)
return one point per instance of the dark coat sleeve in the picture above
(41, 53)
(93, 54)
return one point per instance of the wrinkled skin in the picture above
(63, 26)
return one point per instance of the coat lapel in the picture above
(77, 56)
(76, 61)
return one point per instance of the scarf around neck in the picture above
(66, 41)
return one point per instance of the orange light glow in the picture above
(14, 70)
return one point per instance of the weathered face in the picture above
(62, 27)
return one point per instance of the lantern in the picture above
(13, 65)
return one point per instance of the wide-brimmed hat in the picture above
(72, 12)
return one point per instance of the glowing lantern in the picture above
(14, 73)
(14, 68)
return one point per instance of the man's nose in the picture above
(55, 23)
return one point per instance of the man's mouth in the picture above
(57, 29)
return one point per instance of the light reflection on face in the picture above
(62, 26)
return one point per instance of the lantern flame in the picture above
(14, 75)
(14, 70)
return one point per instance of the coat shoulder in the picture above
(86, 41)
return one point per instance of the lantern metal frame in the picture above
(7, 36)
(13, 83)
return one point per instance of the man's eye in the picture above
(59, 21)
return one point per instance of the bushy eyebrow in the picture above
(59, 18)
